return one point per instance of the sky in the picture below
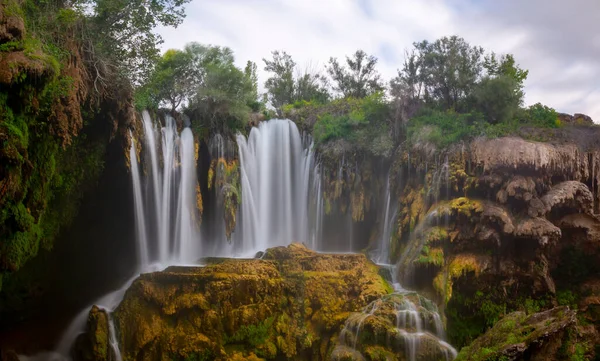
(557, 40)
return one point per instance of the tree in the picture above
(506, 66)
(123, 32)
(448, 69)
(311, 86)
(496, 98)
(280, 85)
(358, 78)
(283, 87)
(224, 93)
(173, 81)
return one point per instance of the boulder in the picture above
(286, 305)
(93, 345)
(521, 337)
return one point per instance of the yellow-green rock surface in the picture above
(291, 304)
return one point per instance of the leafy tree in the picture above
(358, 78)
(283, 87)
(123, 31)
(505, 66)
(497, 99)
(311, 86)
(172, 82)
(446, 71)
(280, 86)
(251, 73)
(224, 93)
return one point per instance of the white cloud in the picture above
(560, 52)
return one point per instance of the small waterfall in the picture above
(316, 209)
(404, 321)
(140, 220)
(382, 253)
(275, 172)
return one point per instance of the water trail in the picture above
(382, 255)
(140, 221)
(316, 209)
(151, 150)
(275, 172)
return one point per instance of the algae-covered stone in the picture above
(521, 337)
(282, 306)
(93, 345)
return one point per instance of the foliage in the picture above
(497, 98)
(360, 121)
(447, 71)
(287, 85)
(442, 128)
(253, 335)
(173, 81)
(123, 31)
(358, 78)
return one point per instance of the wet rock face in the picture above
(521, 337)
(93, 345)
(514, 227)
(288, 305)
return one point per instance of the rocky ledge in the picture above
(291, 304)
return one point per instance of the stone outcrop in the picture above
(577, 118)
(521, 337)
(288, 305)
(93, 345)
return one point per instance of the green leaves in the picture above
(358, 78)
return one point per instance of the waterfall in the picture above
(140, 220)
(173, 200)
(275, 172)
(409, 323)
(165, 220)
(381, 255)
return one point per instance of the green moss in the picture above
(252, 335)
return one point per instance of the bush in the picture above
(541, 116)
(443, 128)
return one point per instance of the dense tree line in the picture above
(447, 84)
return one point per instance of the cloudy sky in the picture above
(557, 40)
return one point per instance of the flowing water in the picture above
(165, 214)
(281, 202)
(404, 322)
(275, 172)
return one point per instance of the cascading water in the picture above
(381, 255)
(275, 173)
(167, 212)
(409, 324)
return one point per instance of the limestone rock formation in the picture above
(288, 305)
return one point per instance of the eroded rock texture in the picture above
(289, 305)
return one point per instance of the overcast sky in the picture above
(557, 40)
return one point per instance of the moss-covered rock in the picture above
(93, 345)
(521, 337)
(287, 305)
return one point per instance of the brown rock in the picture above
(12, 26)
(582, 119)
(539, 229)
(573, 195)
